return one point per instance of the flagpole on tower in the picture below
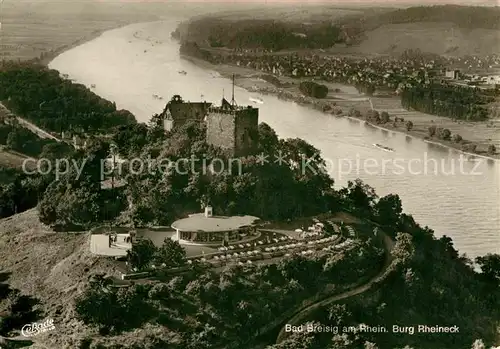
(232, 98)
(2, 57)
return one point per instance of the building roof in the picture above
(198, 222)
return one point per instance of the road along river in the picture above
(454, 197)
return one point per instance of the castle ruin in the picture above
(229, 127)
(177, 112)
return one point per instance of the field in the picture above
(293, 14)
(438, 38)
(30, 27)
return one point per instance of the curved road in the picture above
(388, 243)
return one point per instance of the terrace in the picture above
(271, 246)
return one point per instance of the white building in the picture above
(452, 74)
(492, 79)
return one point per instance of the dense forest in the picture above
(274, 191)
(456, 102)
(22, 140)
(55, 104)
(192, 49)
(77, 199)
(20, 192)
(264, 34)
(431, 282)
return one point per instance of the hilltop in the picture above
(444, 30)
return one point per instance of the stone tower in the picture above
(233, 128)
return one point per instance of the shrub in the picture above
(457, 138)
(312, 89)
(432, 131)
(492, 149)
(384, 117)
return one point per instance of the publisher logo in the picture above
(35, 328)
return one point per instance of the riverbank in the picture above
(341, 98)
(47, 57)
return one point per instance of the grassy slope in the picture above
(432, 37)
(50, 266)
(389, 31)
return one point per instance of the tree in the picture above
(409, 126)
(56, 150)
(268, 140)
(80, 206)
(432, 130)
(457, 138)
(443, 133)
(131, 139)
(339, 314)
(373, 116)
(354, 113)
(470, 147)
(490, 267)
(171, 253)
(359, 196)
(384, 117)
(312, 89)
(388, 210)
(448, 246)
(404, 249)
(492, 149)
(141, 254)
(478, 344)
(301, 340)
(113, 309)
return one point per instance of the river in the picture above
(454, 197)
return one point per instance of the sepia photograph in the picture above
(249, 174)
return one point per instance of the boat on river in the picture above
(256, 100)
(383, 147)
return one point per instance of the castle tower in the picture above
(233, 128)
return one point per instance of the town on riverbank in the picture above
(226, 247)
(445, 98)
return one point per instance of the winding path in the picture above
(388, 243)
(30, 126)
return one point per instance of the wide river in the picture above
(457, 198)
